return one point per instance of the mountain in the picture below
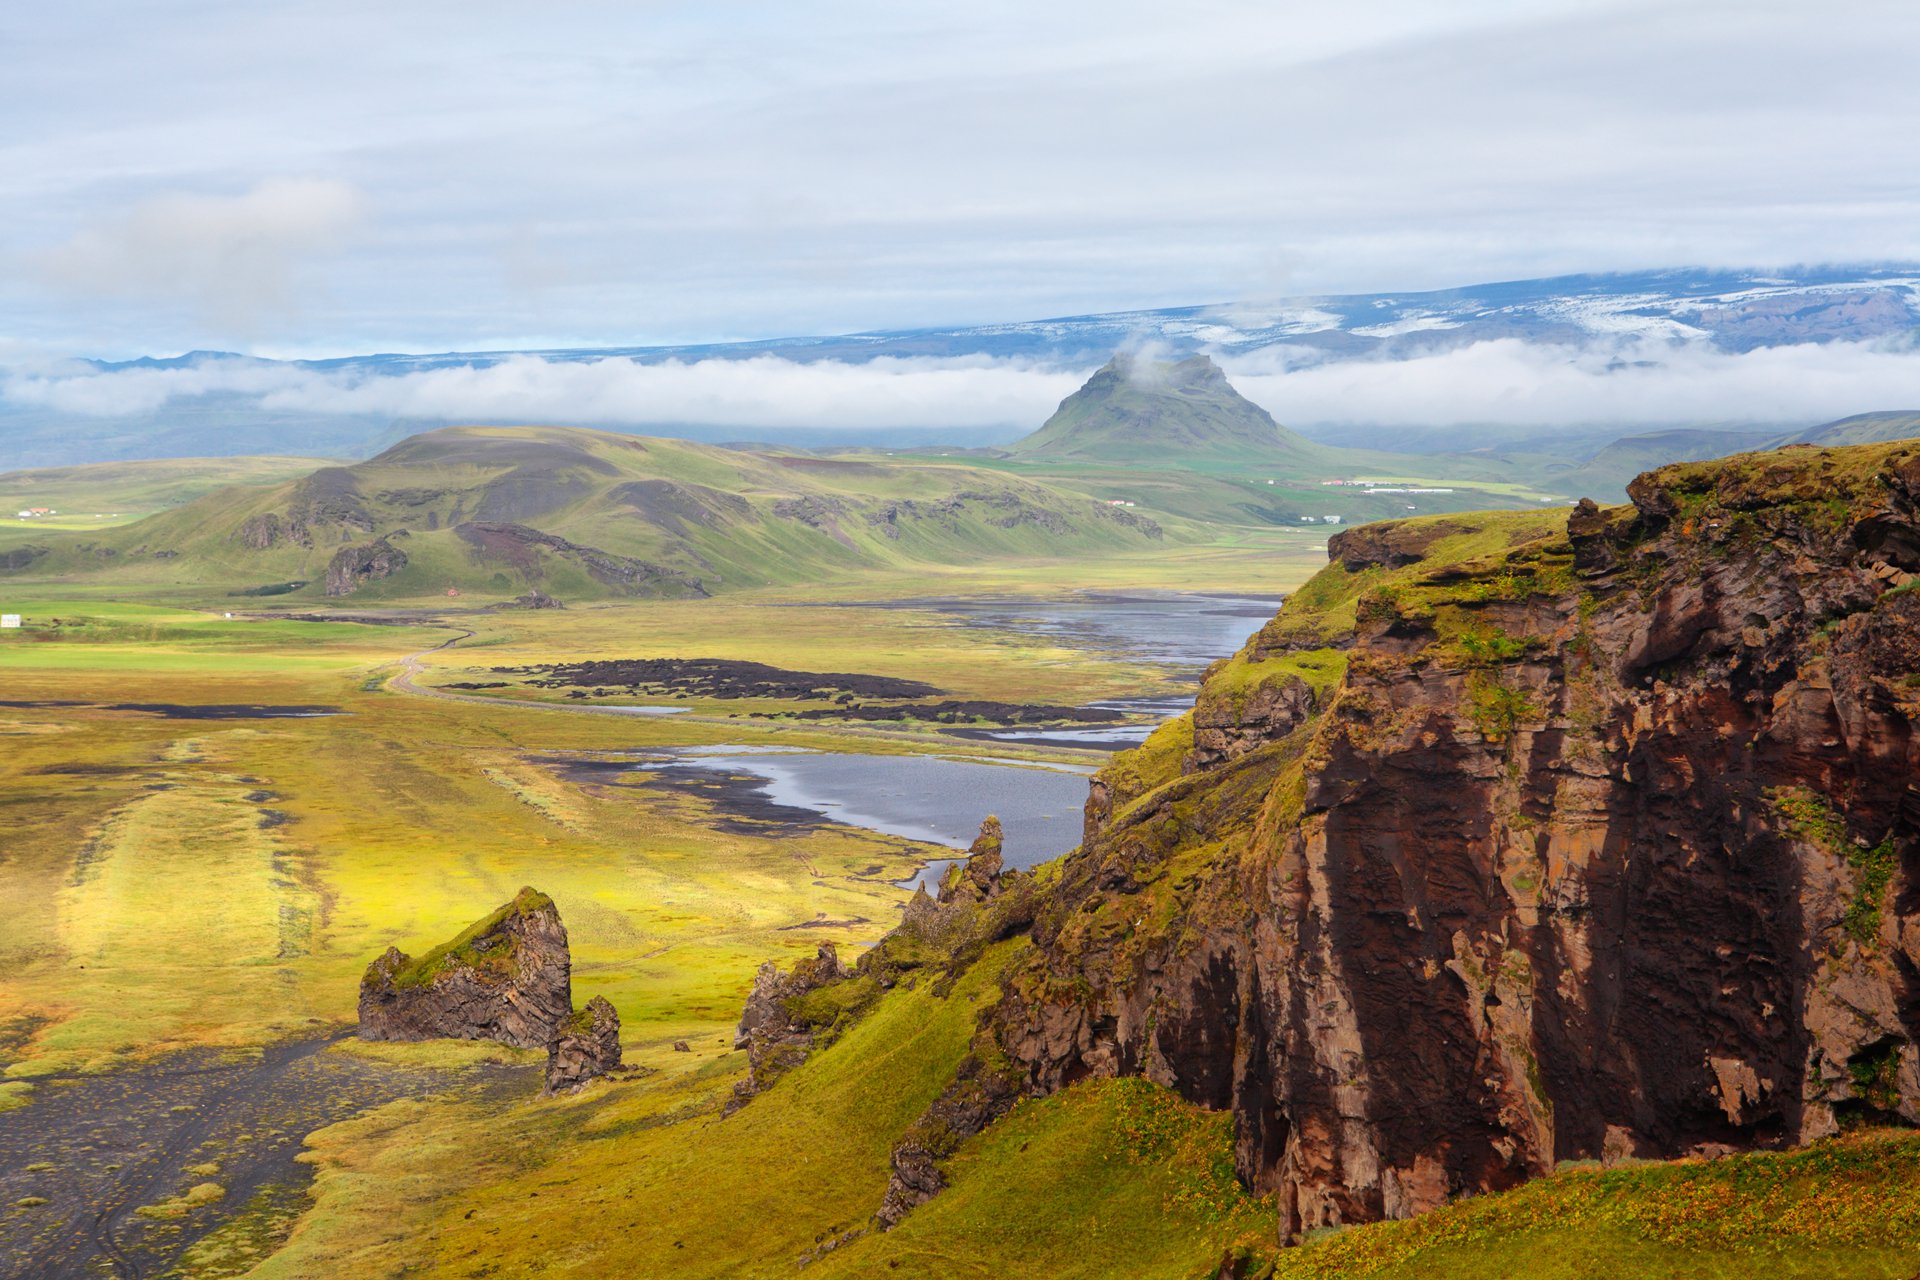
(500, 511)
(1864, 428)
(237, 404)
(1605, 474)
(1513, 839)
(1135, 409)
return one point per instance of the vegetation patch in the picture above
(495, 958)
(1494, 707)
(1847, 1207)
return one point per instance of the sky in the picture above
(303, 178)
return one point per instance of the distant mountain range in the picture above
(216, 403)
(1736, 311)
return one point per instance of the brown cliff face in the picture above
(586, 1046)
(1515, 839)
(506, 978)
(775, 1029)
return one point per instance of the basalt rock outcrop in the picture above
(777, 1029)
(585, 1046)
(978, 878)
(353, 567)
(507, 978)
(1514, 839)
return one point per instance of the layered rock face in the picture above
(506, 978)
(586, 1045)
(1518, 838)
(775, 1030)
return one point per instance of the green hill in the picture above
(102, 493)
(502, 511)
(1864, 428)
(1138, 410)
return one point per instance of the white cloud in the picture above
(1504, 382)
(762, 392)
(1510, 382)
(236, 260)
(582, 173)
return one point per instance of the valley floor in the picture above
(214, 824)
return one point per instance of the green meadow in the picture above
(192, 884)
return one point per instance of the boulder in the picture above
(587, 1045)
(507, 978)
(353, 567)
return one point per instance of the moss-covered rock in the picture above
(507, 977)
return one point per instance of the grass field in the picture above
(190, 883)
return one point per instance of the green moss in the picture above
(1875, 867)
(835, 1005)
(462, 950)
(1875, 1073)
(1810, 818)
(1486, 646)
(1494, 707)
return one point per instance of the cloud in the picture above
(236, 260)
(696, 173)
(764, 391)
(1513, 383)
(1505, 382)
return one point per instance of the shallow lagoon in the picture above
(929, 798)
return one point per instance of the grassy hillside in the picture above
(1864, 428)
(101, 494)
(1108, 1178)
(496, 512)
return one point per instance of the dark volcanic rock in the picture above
(521, 547)
(586, 1045)
(954, 711)
(20, 557)
(978, 878)
(717, 678)
(506, 978)
(1602, 841)
(774, 1029)
(353, 567)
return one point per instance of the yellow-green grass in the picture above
(1112, 1179)
(181, 882)
(101, 494)
(1845, 1208)
(225, 882)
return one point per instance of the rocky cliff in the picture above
(585, 1046)
(505, 978)
(1515, 839)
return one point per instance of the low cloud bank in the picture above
(1507, 382)
(1514, 383)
